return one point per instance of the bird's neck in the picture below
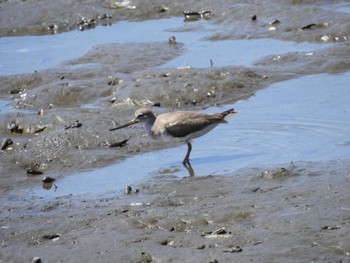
(149, 124)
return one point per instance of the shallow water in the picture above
(301, 119)
(304, 119)
(26, 54)
(237, 52)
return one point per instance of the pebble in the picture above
(330, 227)
(128, 189)
(36, 260)
(235, 249)
(6, 143)
(274, 22)
(172, 40)
(48, 179)
(14, 127)
(193, 15)
(32, 171)
(309, 26)
(77, 124)
(118, 144)
(53, 29)
(115, 81)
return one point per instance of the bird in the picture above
(182, 125)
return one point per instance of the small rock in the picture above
(201, 247)
(14, 127)
(254, 17)
(220, 231)
(114, 82)
(309, 26)
(41, 112)
(32, 171)
(161, 9)
(330, 227)
(77, 124)
(40, 129)
(118, 144)
(6, 143)
(193, 15)
(48, 179)
(235, 249)
(53, 29)
(172, 40)
(128, 189)
(164, 242)
(53, 237)
(146, 257)
(274, 22)
(15, 91)
(36, 260)
(104, 16)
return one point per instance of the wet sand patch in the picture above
(287, 214)
(242, 216)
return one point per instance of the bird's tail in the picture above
(228, 112)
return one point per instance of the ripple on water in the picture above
(304, 119)
(293, 138)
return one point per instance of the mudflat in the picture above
(294, 212)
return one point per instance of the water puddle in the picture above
(304, 119)
(338, 7)
(6, 107)
(26, 54)
(237, 52)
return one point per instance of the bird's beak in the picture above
(132, 122)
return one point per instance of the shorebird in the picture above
(182, 125)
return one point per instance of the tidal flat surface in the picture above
(275, 176)
(295, 120)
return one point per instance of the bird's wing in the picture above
(186, 127)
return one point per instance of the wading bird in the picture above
(182, 125)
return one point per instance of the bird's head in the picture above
(142, 115)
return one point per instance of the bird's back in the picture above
(183, 123)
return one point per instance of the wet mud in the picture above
(107, 91)
(61, 125)
(294, 212)
(292, 20)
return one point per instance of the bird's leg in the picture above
(187, 157)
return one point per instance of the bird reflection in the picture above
(189, 169)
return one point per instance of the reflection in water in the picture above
(25, 54)
(189, 168)
(48, 182)
(47, 186)
(299, 119)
